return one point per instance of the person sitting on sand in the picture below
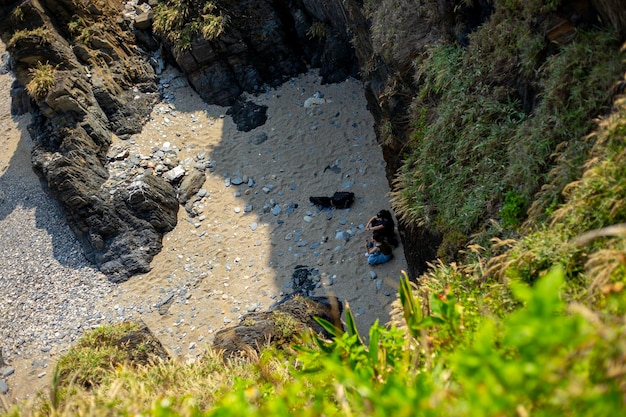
(378, 251)
(384, 223)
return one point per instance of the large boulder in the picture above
(279, 326)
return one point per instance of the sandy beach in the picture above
(239, 253)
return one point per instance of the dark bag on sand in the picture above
(342, 199)
(323, 202)
(339, 200)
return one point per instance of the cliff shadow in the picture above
(21, 192)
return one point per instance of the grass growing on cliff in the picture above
(84, 30)
(41, 79)
(179, 21)
(585, 234)
(41, 34)
(486, 141)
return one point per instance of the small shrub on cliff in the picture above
(42, 80)
(180, 20)
(83, 30)
(18, 14)
(91, 360)
(317, 31)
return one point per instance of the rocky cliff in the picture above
(89, 72)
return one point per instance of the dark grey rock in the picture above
(247, 115)
(190, 186)
(4, 388)
(258, 138)
(143, 20)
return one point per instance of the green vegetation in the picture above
(83, 31)
(317, 31)
(489, 152)
(463, 355)
(529, 193)
(287, 325)
(513, 209)
(42, 80)
(179, 21)
(40, 34)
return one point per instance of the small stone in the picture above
(6, 371)
(174, 174)
(373, 275)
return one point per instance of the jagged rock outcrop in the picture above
(265, 43)
(101, 86)
(278, 326)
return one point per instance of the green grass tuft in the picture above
(42, 80)
(179, 21)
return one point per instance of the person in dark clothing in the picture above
(378, 251)
(383, 221)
